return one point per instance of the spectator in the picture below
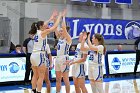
(119, 48)
(137, 48)
(27, 48)
(18, 50)
(72, 48)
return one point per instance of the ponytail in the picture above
(33, 28)
(36, 26)
(101, 42)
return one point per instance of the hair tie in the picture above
(36, 25)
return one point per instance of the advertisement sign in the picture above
(122, 63)
(110, 29)
(101, 1)
(12, 69)
(123, 1)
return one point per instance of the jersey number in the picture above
(36, 38)
(91, 57)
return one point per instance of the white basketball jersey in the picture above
(78, 52)
(62, 47)
(48, 49)
(39, 42)
(96, 57)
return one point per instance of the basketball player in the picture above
(49, 65)
(63, 45)
(95, 72)
(38, 54)
(79, 66)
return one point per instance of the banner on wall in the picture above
(107, 1)
(101, 1)
(110, 29)
(80, 0)
(123, 1)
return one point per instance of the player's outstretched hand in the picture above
(54, 14)
(84, 37)
(64, 12)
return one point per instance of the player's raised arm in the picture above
(91, 46)
(47, 31)
(84, 48)
(52, 18)
(65, 28)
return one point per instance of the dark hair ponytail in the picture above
(33, 28)
(102, 43)
(36, 26)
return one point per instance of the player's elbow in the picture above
(83, 59)
(82, 49)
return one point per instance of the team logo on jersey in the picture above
(116, 63)
(14, 67)
(132, 30)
